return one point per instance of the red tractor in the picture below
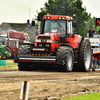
(56, 46)
(13, 41)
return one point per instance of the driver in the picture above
(56, 27)
(61, 29)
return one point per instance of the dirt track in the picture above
(44, 84)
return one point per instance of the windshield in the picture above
(26, 41)
(55, 26)
(2, 39)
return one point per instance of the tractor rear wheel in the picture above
(66, 57)
(84, 57)
(24, 50)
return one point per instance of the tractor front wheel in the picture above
(66, 57)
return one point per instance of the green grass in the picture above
(91, 96)
(9, 66)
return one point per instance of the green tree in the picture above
(68, 8)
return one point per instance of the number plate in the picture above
(38, 49)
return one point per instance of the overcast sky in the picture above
(17, 11)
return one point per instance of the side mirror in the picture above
(39, 18)
(28, 23)
(74, 23)
(33, 23)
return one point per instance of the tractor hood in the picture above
(2, 46)
(51, 36)
(48, 40)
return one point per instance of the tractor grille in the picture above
(44, 45)
(43, 37)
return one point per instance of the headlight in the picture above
(38, 40)
(45, 17)
(47, 45)
(59, 17)
(55, 41)
(49, 41)
(40, 45)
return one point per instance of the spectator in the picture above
(90, 32)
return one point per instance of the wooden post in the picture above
(24, 90)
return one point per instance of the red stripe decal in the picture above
(36, 61)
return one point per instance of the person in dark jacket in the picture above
(90, 32)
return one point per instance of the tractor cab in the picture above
(62, 25)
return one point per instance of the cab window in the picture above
(69, 27)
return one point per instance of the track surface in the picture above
(45, 84)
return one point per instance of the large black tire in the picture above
(65, 54)
(8, 50)
(84, 57)
(1, 56)
(24, 50)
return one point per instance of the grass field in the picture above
(9, 66)
(91, 96)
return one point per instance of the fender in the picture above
(66, 45)
(74, 41)
(80, 40)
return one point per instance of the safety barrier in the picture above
(3, 63)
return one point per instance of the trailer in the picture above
(95, 44)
